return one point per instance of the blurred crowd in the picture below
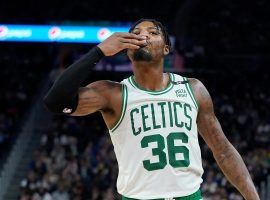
(22, 69)
(75, 159)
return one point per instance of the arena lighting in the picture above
(64, 34)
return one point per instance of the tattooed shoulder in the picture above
(201, 94)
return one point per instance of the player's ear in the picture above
(166, 50)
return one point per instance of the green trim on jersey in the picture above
(195, 196)
(190, 91)
(132, 81)
(124, 107)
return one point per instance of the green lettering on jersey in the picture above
(132, 112)
(157, 152)
(174, 150)
(144, 117)
(162, 104)
(188, 125)
(179, 125)
(170, 114)
(155, 126)
(161, 154)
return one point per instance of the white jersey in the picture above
(156, 141)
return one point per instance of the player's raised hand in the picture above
(119, 41)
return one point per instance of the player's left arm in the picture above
(227, 157)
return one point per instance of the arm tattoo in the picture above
(224, 153)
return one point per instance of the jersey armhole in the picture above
(191, 93)
(123, 109)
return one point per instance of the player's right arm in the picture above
(68, 94)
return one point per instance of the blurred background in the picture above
(225, 44)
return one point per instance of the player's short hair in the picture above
(159, 25)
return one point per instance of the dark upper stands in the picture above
(22, 70)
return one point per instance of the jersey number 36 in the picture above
(172, 151)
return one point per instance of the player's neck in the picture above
(150, 76)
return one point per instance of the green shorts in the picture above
(195, 196)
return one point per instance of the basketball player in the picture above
(153, 118)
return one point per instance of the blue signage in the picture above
(65, 34)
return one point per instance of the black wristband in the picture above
(63, 96)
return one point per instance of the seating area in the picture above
(22, 70)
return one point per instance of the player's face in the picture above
(155, 48)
